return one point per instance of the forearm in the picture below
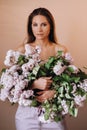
(42, 83)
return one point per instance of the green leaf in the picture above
(46, 104)
(60, 108)
(1, 86)
(64, 83)
(61, 95)
(71, 104)
(2, 71)
(81, 92)
(56, 78)
(35, 70)
(82, 74)
(60, 90)
(42, 73)
(49, 62)
(70, 69)
(21, 60)
(75, 79)
(34, 103)
(31, 77)
(68, 96)
(60, 53)
(66, 77)
(54, 107)
(57, 118)
(73, 112)
(47, 114)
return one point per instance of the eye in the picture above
(44, 24)
(34, 24)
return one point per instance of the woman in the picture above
(41, 32)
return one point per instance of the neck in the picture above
(42, 42)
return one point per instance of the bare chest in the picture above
(47, 52)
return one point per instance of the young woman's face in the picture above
(40, 27)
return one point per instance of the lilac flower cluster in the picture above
(14, 85)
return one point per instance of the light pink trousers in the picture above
(26, 118)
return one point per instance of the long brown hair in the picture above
(45, 12)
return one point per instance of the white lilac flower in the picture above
(65, 107)
(16, 95)
(7, 81)
(38, 49)
(84, 84)
(68, 57)
(25, 74)
(13, 96)
(41, 113)
(10, 98)
(74, 88)
(25, 67)
(58, 68)
(21, 77)
(14, 68)
(27, 94)
(3, 94)
(29, 50)
(36, 58)
(12, 91)
(18, 79)
(42, 119)
(79, 99)
(28, 66)
(15, 77)
(52, 115)
(24, 102)
(11, 57)
(22, 84)
(80, 85)
(24, 98)
(31, 64)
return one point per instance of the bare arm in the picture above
(42, 83)
(60, 47)
(45, 95)
(21, 48)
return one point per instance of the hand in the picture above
(44, 95)
(42, 83)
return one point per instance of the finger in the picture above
(47, 77)
(50, 81)
(40, 92)
(49, 84)
(40, 96)
(41, 99)
(38, 100)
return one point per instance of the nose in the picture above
(40, 28)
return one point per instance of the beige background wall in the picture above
(71, 28)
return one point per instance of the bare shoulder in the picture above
(21, 48)
(60, 47)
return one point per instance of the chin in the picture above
(40, 38)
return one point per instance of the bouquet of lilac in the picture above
(14, 81)
(69, 82)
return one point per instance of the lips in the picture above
(40, 34)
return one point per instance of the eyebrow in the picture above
(41, 23)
